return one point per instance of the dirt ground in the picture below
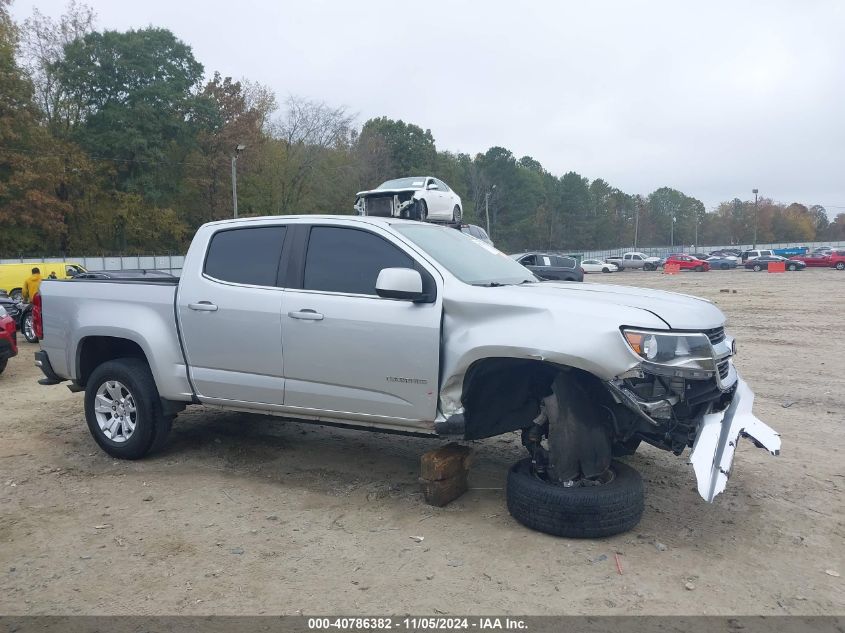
(243, 514)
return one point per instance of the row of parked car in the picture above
(726, 259)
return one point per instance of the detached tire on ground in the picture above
(123, 409)
(576, 512)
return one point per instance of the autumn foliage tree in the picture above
(118, 142)
(31, 211)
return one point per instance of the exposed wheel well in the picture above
(96, 350)
(503, 394)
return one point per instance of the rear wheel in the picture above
(123, 409)
(28, 328)
(456, 215)
(649, 267)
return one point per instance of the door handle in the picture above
(203, 306)
(306, 315)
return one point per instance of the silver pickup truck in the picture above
(394, 325)
(635, 260)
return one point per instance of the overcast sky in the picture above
(714, 98)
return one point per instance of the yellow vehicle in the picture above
(12, 276)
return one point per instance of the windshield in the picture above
(472, 261)
(403, 183)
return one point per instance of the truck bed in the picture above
(139, 310)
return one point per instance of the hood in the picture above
(677, 311)
(390, 192)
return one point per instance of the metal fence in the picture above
(168, 263)
(173, 263)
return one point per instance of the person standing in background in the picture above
(31, 285)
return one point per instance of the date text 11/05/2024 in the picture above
(417, 624)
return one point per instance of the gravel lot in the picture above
(244, 514)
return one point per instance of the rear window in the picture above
(246, 256)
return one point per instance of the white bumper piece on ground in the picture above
(713, 451)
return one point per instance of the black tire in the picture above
(757, 268)
(605, 269)
(3, 364)
(792, 267)
(649, 267)
(457, 215)
(840, 266)
(16, 294)
(699, 269)
(422, 210)
(624, 449)
(724, 266)
(151, 425)
(28, 328)
(576, 512)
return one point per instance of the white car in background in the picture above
(598, 266)
(416, 198)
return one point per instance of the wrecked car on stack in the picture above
(394, 325)
(416, 198)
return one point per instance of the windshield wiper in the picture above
(491, 284)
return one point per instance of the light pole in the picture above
(636, 224)
(672, 231)
(696, 230)
(754, 191)
(487, 209)
(238, 150)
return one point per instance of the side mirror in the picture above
(432, 185)
(399, 283)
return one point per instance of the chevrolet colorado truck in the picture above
(635, 260)
(401, 326)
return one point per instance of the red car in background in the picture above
(8, 338)
(687, 262)
(831, 259)
(816, 260)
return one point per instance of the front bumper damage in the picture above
(715, 445)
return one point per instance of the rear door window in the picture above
(564, 262)
(247, 256)
(348, 260)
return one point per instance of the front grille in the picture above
(723, 369)
(716, 335)
(381, 207)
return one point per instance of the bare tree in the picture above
(307, 130)
(43, 41)
(260, 99)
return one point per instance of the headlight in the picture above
(672, 349)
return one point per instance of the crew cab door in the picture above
(348, 352)
(230, 317)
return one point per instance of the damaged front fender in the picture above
(715, 445)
